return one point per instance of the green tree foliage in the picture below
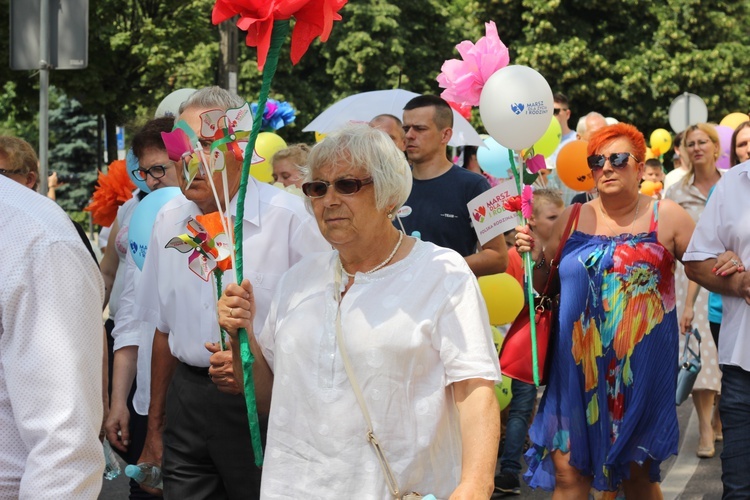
(630, 58)
(624, 58)
(74, 154)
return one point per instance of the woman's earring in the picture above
(390, 215)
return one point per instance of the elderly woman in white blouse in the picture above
(412, 320)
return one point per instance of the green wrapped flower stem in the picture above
(528, 270)
(279, 34)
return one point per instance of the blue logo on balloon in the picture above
(142, 221)
(517, 108)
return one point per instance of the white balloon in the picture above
(170, 105)
(516, 106)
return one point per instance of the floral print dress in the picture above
(610, 397)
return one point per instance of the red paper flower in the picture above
(513, 204)
(462, 109)
(314, 18)
(112, 190)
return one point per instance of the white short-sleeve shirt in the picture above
(411, 330)
(725, 225)
(50, 353)
(278, 231)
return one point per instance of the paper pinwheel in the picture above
(463, 79)
(209, 249)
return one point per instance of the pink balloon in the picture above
(725, 142)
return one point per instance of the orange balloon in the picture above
(572, 168)
(651, 188)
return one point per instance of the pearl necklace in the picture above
(637, 206)
(382, 264)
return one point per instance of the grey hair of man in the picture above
(360, 145)
(581, 126)
(212, 97)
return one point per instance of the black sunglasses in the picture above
(556, 111)
(156, 171)
(318, 189)
(617, 160)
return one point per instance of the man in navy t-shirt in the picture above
(436, 209)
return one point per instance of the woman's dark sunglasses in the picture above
(617, 160)
(318, 189)
(156, 171)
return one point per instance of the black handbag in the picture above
(690, 367)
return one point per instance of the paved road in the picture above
(684, 477)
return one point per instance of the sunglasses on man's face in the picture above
(318, 189)
(556, 111)
(617, 160)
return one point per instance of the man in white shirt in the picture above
(206, 442)
(50, 337)
(723, 226)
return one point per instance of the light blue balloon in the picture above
(494, 158)
(131, 163)
(142, 221)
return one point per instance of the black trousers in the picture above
(207, 449)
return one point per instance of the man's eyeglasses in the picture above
(617, 160)
(6, 173)
(156, 171)
(318, 189)
(556, 111)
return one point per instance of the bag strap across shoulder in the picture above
(555, 262)
(390, 477)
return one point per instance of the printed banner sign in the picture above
(489, 216)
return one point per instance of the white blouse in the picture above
(412, 329)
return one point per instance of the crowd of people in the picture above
(375, 364)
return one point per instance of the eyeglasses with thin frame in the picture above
(155, 171)
(318, 189)
(617, 160)
(6, 172)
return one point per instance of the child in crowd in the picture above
(653, 178)
(548, 205)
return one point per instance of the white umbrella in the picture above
(365, 106)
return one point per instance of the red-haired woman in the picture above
(608, 417)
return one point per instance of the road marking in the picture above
(684, 466)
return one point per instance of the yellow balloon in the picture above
(266, 146)
(550, 140)
(503, 296)
(734, 119)
(661, 139)
(503, 392)
(319, 136)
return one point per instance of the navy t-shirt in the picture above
(437, 209)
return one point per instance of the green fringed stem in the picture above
(279, 34)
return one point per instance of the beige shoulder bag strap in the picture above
(390, 478)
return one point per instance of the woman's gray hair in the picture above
(212, 97)
(371, 149)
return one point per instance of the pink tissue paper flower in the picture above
(463, 80)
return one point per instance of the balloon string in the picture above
(278, 35)
(528, 270)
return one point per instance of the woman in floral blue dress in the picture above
(607, 418)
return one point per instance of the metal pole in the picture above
(687, 110)
(44, 94)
